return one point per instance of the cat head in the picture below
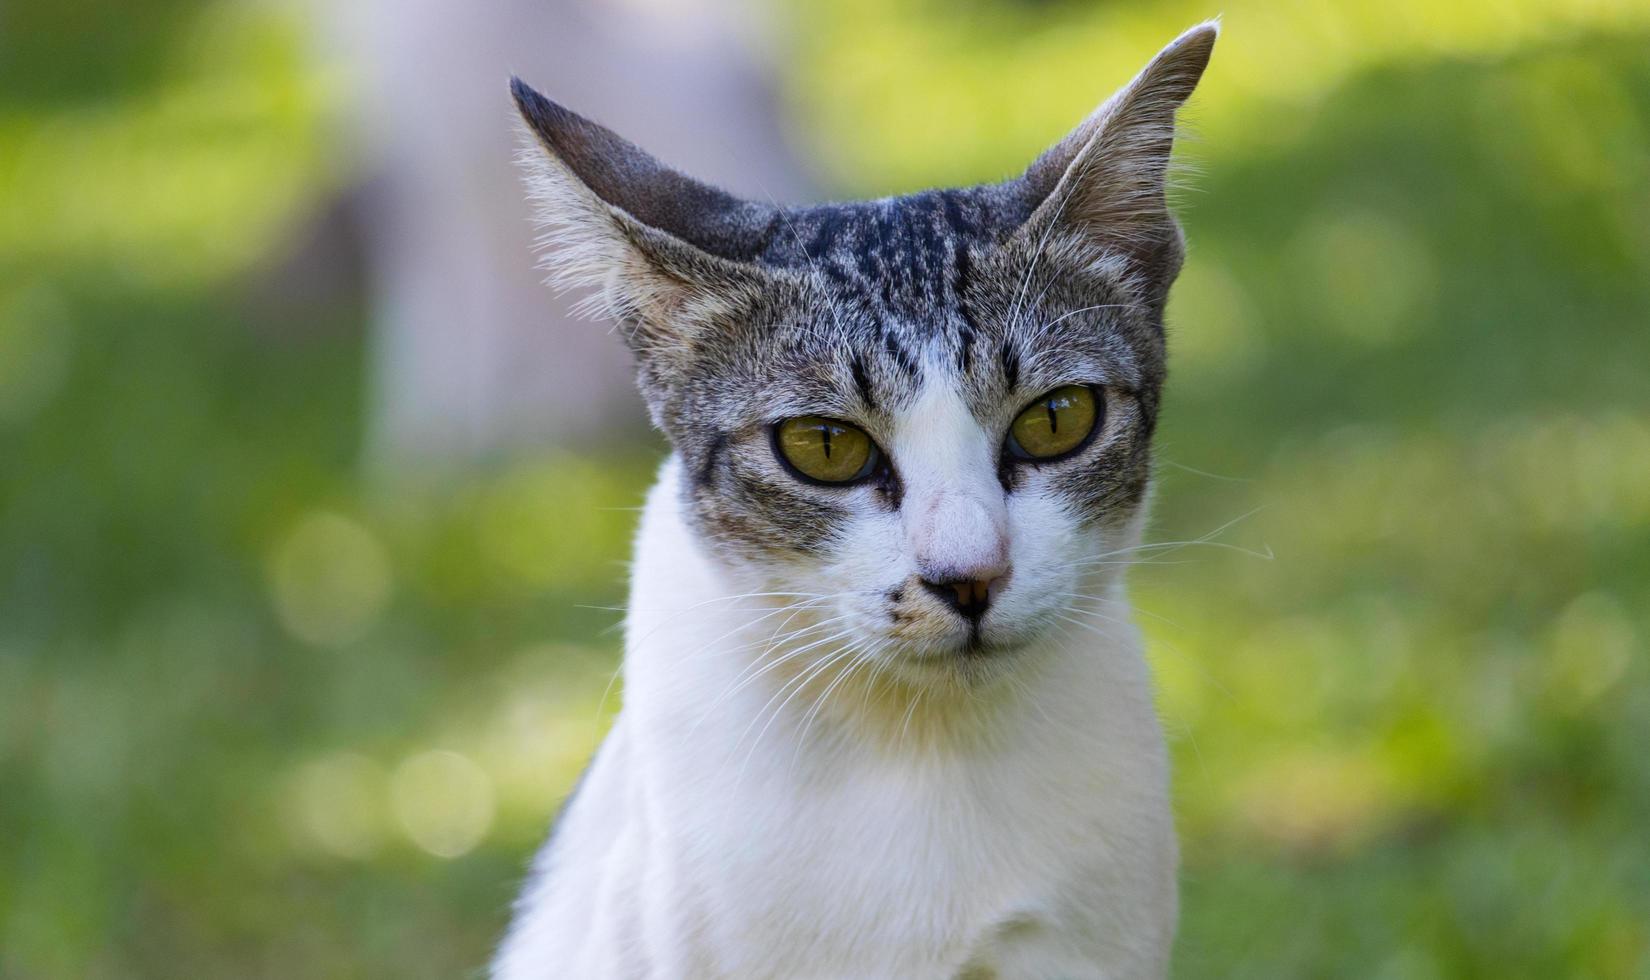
(932, 414)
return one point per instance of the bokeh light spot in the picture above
(330, 579)
(1369, 276)
(1211, 321)
(1316, 799)
(35, 337)
(336, 804)
(443, 801)
(1591, 643)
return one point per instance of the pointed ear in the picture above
(1104, 183)
(663, 254)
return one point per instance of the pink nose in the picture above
(960, 538)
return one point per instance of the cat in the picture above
(885, 713)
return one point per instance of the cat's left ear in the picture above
(1103, 185)
(668, 257)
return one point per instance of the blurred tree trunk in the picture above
(471, 352)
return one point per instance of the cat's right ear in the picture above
(1105, 183)
(664, 255)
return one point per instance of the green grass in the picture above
(247, 701)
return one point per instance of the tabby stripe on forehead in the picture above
(764, 242)
(824, 235)
(902, 359)
(928, 243)
(1011, 365)
(890, 303)
(962, 275)
(965, 349)
(862, 381)
(960, 223)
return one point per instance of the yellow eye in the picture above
(825, 450)
(1055, 424)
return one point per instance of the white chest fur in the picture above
(726, 829)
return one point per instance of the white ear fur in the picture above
(579, 242)
(623, 227)
(625, 269)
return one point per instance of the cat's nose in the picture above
(970, 597)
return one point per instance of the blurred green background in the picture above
(261, 718)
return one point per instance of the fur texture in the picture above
(822, 769)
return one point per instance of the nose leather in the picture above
(960, 539)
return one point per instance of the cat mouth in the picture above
(974, 646)
(984, 639)
(933, 629)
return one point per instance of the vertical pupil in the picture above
(1053, 416)
(825, 433)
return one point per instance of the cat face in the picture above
(917, 375)
(928, 417)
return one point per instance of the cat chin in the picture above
(969, 656)
(940, 678)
